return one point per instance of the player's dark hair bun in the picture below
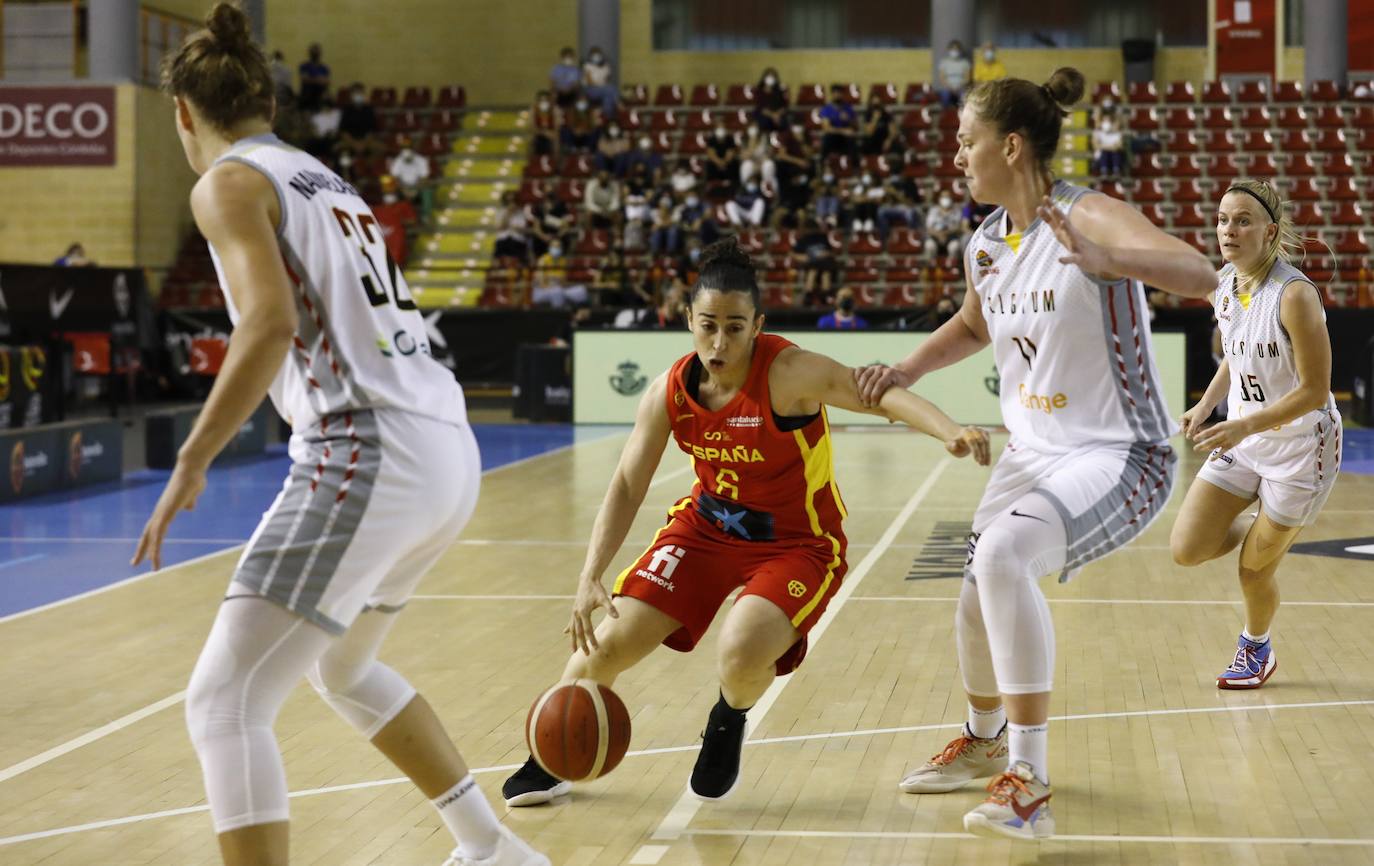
(230, 28)
(1065, 86)
(725, 267)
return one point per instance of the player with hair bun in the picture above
(764, 515)
(1054, 281)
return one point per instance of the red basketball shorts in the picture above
(687, 573)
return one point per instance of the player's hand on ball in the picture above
(590, 595)
(971, 440)
(1221, 437)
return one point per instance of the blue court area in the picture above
(54, 547)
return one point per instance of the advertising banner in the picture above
(43, 126)
(61, 456)
(167, 432)
(612, 369)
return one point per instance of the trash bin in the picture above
(1139, 58)
(543, 383)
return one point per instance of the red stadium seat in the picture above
(406, 121)
(1305, 189)
(946, 168)
(1305, 214)
(739, 94)
(1103, 89)
(452, 96)
(884, 93)
(445, 120)
(539, 167)
(1343, 164)
(1155, 213)
(595, 242)
(862, 275)
(1347, 213)
(1215, 117)
(1153, 165)
(1180, 118)
(1253, 117)
(663, 121)
(705, 95)
(1192, 165)
(1288, 91)
(433, 144)
(753, 241)
(865, 244)
(698, 120)
(1327, 116)
(1216, 92)
(1305, 164)
(1363, 119)
(810, 95)
(384, 97)
(1254, 91)
(1150, 191)
(1190, 216)
(1197, 139)
(577, 166)
(735, 119)
(919, 93)
(1343, 189)
(1324, 91)
(1180, 91)
(1246, 139)
(1359, 242)
(853, 92)
(841, 165)
(1141, 119)
(692, 143)
(661, 142)
(1142, 92)
(1189, 191)
(634, 95)
(783, 242)
(571, 191)
(417, 97)
(631, 120)
(1124, 190)
(1290, 117)
(1264, 165)
(1329, 140)
(904, 241)
(668, 95)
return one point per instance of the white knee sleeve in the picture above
(255, 654)
(1012, 554)
(365, 692)
(975, 656)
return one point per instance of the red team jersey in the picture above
(765, 512)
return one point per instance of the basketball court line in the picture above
(682, 812)
(1163, 840)
(666, 750)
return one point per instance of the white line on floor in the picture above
(1160, 840)
(682, 812)
(668, 750)
(90, 736)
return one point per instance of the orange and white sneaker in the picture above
(965, 758)
(1017, 807)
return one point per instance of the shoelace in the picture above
(1241, 663)
(1004, 787)
(952, 751)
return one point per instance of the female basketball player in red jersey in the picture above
(1055, 286)
(384, 466)
(764, 514)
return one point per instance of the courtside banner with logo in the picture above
(42, 126)
(612, 369)
(61, 456)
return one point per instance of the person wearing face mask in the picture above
(683, 179)
(324, 126)
(580, 126)
(411, 170)
(314, 76)
(815, 257)
(843, 317)
(864, 198)
(756, 157)
(396, 217)
(612, 149)
(794, 164)
(1109, 148)
(695, 219)
(646, 161)
(1280, 444)
(839, 124)
(358, 122)
(943, 222)
(601, 201)
(748, 206)
(565, 79)
(722, 158)
(988, 67)
(596, 81)
(952, 74)
(551, 285)
(544, 124)
(827, 200)
(770, 102)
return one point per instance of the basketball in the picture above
(578, 730)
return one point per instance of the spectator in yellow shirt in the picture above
(987, 67)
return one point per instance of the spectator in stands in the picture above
(665, 233)
(722, 158)
(839, 124)
(695, 220)
(74, 257)
(795, 167)
(612, 148)
(344, 160)
(672, 307)
(596, 81)
(1109, 148)
(756, 157)
(550, 220)
(944, 224)
(895, 206)
(880, 134)
(281, 78)
(512, 231)
(865, 194)
(324, 128)
(748, 207)
(973, 216)
(411, 170)
(544, 123)
(358, 122)
(815, 257)
(601, 201)
(616, 287)
(1106, 108)
(565, 79)
(988, 67)
(637, 211)
(314, 75)
(843, 317)
(644, 159)
(826, 197)
(952, 74)
(396, 217)
(579, 128)
(292, 125)
(770, 102)
(551, 285)
(683, 180)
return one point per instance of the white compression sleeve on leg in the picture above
(975, 656)
(365, 692)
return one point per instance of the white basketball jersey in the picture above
(360, 342)
(1258, 350)
(1073, 353)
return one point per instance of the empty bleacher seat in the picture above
(705, 95)
(1180, 91)
(452, 96)
(417, 97)
(1288, 91)
(810, 95)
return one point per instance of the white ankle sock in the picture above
(986, 724)
(1256, 638)
(1031, 744)
(468, 816)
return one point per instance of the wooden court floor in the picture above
(1151, 764)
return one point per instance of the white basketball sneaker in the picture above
(511, 850)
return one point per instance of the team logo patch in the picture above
(1221, 459)
(679, 398)
(745, 421)
(627, 382)
(796, 588)
(984, 262)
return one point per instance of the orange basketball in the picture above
(578, 730)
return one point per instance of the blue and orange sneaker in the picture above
(1253, 665)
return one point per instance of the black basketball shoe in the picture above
(531, 785)
(717, 769)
